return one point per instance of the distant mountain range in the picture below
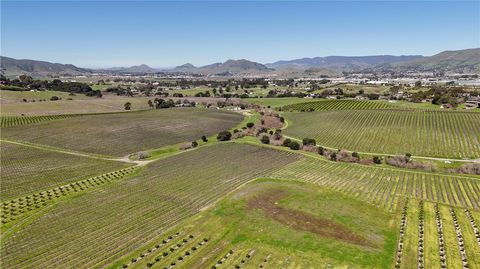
(467, 60)
(14, 67)
(342, 63)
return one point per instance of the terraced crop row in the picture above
(102, 225)
(422, 133)
(383, 186)
(449, 243)
(27, 170)
(336, 105)
(14, 209)
(9, 121)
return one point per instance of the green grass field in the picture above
(422, 133)
(273, 222)
(124, 133)
(26, 170)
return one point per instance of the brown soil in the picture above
(303, 221)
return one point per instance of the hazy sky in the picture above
(165, 34)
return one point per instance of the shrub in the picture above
(287, 142)
(127, 106)
(224, 136)
(194, 144)
(309, 142)
(204, 138)
(321, 150)
(54, 98)
(333, 156)
(250, 124)
(143, 155)
(294, 145)
(265, 139)
(355, 155)
(377, 159)
(282, 119)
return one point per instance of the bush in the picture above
(143, 155)
(54, 98)
(224, 136)
(282, 119)
(294, 145)
(333, 156)
(377, 159)
(204, 138)
(355, 155)
(321, 150)
(309, 142)
(127, 106)
(194, 144)
(286, 142)
(250, 124)
(265, 139)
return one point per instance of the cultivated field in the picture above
(95, 226)
(279, 224)
(335, 105)
(423, 133)
(118, 134)
(384, 186)
(26, 170)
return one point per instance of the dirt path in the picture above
(303, 221)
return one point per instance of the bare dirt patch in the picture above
(267, 202)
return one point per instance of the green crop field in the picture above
(278, 102)
(124, 133)
(335, 105)
(423, 133)
(26, 170)
(94, 226)
(383, 186)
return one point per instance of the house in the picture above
(472, 102)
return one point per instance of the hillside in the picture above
(458, 60)
(143, 68)
(234, 67)
(342, 63)
(13, 67)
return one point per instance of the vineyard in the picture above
(336, 105)
(238, 236)
(423, 133)
(26, 170)
(119, 134)
(437, 236)
(115, 219)
(383, 186)
(9, 121)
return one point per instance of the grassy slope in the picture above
(232, 225)
(26, 170)
(277, 102)
(123, 133)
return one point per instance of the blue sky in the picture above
(165, 34)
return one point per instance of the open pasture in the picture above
(282, 224)
(118, 134)
(26, 170)
(422, 133)
(335, 105)
(101, 224)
